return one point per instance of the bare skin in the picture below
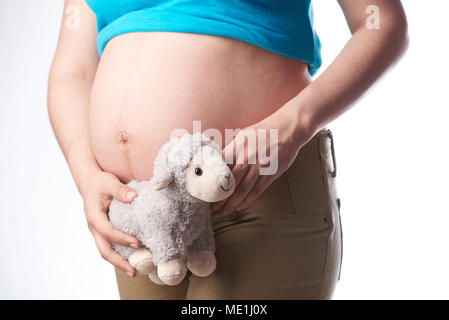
(111, 116)
(144, 89)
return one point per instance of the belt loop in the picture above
(334, 162)
(324, 151)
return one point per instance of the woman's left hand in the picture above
(256, 149)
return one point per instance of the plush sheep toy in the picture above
(171, 216)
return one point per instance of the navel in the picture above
(122, 137)
(123, 140)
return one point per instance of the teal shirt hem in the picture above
(154, 20)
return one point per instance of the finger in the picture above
(259, 187)
(241, 192)
(239, 171)
(235, 152)
(111, 256)
(102, 225)
(229, 154)
(121, 191)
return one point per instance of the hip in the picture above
(285, 245)
(288, 243)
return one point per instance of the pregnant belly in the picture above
(150, 84)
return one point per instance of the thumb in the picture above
(122, 192)
(229, 153)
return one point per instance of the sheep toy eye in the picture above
(198, 171)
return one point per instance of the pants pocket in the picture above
(341, 237)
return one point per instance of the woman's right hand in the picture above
(98, 190)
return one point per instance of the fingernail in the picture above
(130, 195)
(129, 273)
(134, 245)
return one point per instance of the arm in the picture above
(366, 57)
(70, 80)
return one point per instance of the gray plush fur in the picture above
(170, 222)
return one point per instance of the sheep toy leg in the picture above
(201, 257)
(172, 272)
(155, 278)
(169, 258)
(201, 263)
(142, 261)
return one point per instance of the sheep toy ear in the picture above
(162, 185)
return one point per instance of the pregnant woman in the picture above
(127, 73)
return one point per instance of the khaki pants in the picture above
(286, 245)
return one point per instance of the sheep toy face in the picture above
(208, 177)
(193, 167)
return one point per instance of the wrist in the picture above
(304, 125)
(82, 166)
(82, 178)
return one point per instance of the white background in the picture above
(392, 155)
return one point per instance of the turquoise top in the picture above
(281, 26)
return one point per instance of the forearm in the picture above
(365, 58)
(68, 102)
